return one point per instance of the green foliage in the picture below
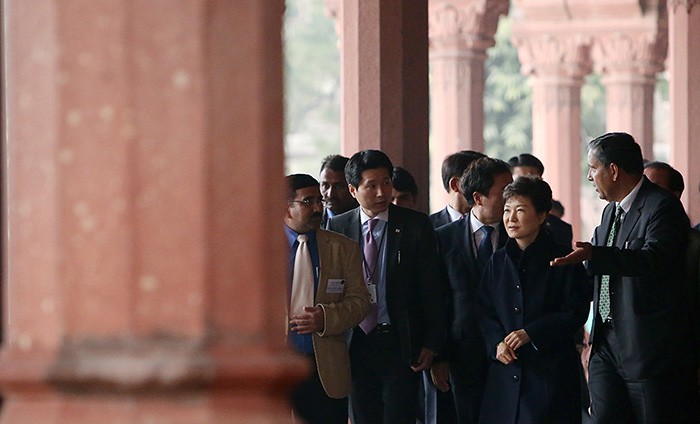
(312, 86)
(507, 100)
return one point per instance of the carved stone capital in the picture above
(554, 55)
(464, 24)
(685, 4)
(639, 53)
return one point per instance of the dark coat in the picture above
(462, 274)
(648, 283)
(440, 218)
(561, 231)
(519, 290)
(414, 291)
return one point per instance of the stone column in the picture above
(684, 78)
(460, 33)
(384, 59)
(629, 61)
(557, 64)
(144, 154)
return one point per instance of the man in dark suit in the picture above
(641, 365)
(334, 189)
(404, 329)
(527, 164)
(464, 363)
(452, 169)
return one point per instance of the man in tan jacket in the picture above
(332, 300)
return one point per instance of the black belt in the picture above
(383, 328)
(607, 323)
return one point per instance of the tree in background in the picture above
(312, 86)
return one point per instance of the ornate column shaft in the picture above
(629, 62)
(557, 65)
(144, 275)
(460, 33)
(684, 78)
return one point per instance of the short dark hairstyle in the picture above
(404, 181)
(526, 159)
(480, 175)
(557, 206)
(364, 160)
(453, 166)
(334, 163)
(675, 178)
(618, 148)
(535, 189)
(298, 181)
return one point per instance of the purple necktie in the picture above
(370, 254)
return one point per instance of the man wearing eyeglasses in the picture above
(327, 297)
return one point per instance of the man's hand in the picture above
(425, 359)
(505, 353)
(582, 253)
(516, 339)
(311, 321)
(440, 374)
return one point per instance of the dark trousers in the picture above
(313, 406)
(384, 388)
(439, 406)
(468, 379)
(618, 399)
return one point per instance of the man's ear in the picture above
(614, 171)
(288, 214)
(478, 198)
(454, 184)
(353, 191)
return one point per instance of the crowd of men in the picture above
(383, 298)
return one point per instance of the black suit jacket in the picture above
(462, 272)
(440, 218)
(647, 282)
(414, 292)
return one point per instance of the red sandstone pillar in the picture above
(460, 33)
(384, 60)
(557, 64)
(144, 267)
(684, 78)
(629, 60)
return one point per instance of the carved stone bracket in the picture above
(554, 55)
(642, 54)
(464, 24)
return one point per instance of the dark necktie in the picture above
(604, 304)
(486, 246)
(370, 253)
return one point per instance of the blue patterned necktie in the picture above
(486, 246)
(604, 303)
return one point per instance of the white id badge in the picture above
(335, 286)
(372, 288)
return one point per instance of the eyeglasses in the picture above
(309, 202)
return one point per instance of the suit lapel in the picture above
(466, 246)
(355, 228)
(393, 239)
(632, 216)
(323, 261)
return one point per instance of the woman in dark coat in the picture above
(529, 313)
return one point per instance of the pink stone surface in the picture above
(146, 267)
